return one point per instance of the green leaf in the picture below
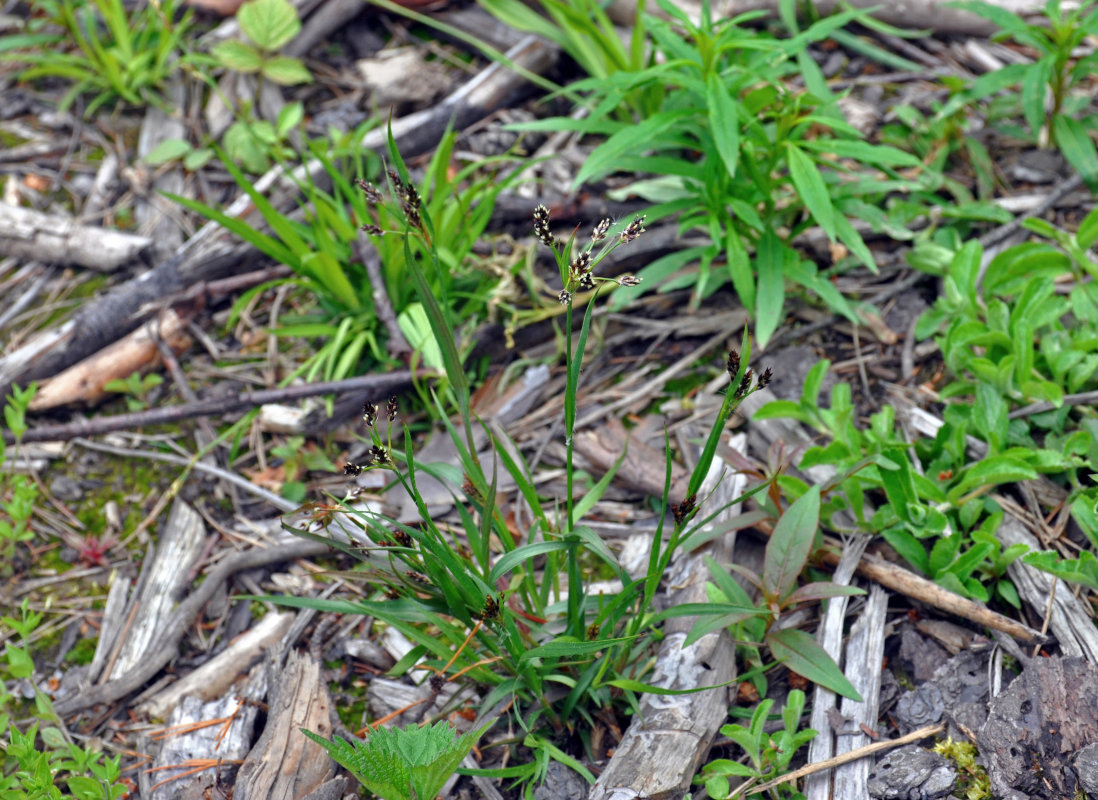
(567, 647)
(724, 122)
(629, 140)
(790, 544)
(238, 56)
(286, 71)
(990, 472)
(770, 291)
(1087, 234)
(271, 24)
(168, 150)
(811, 187)
(1078, 148)
(799, 651)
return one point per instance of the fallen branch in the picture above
(379, 385)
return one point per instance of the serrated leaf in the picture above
(271, 24)
(238, 56)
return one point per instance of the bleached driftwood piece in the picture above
(157, 216)
(228, 740)
(215, 677)
(864, 663)
(830, 636)
(162, 579)
(1068, 616)
(53, 239)
(661, 750)
(285, 764)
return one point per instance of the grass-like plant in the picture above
(18, 493)
(1057, 109)
(741, 157)
(512, 613)
(320, 252)
(117, 54)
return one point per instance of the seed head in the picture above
(634, 229)
(581, 265)
(733, 364)
(379, 455)
(391, 408)
(629, 280)
(372, 229)
(565, 297)
(745, 383)
(403, 538)
(373, 196)
(541, 226)
(353, 470)
(765, 378)
(587, 281)
(369, 413)
(683, 509)
(599, 233)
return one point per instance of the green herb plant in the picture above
(117, 55)
(18, 493)
(268, 26)
(403, 763)
(743, 159)
(136, 388)
(928, 511)
(769, 755)
(1055, 100)
(35, 763)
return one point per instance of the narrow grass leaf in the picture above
(1078, 148)
(724, 122)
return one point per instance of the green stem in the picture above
(575, 579)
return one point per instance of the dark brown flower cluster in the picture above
(683, 510)
(410, 202)
(580, 271)
(732, 365)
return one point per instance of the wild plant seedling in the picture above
(768, 755)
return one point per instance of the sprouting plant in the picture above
(268, 26)
(118, 54)
(36, 763)
(136, 388)
(298, 458)
(1052, 91)
(403, 763)
(768, 755)
(18, 493)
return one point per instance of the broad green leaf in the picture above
(271, 24)
(286, 71)
(1087, 234)
(770, 297)
(790, 544)
(799, 651)
(633, 139)
(168, 150)
(238, 56)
